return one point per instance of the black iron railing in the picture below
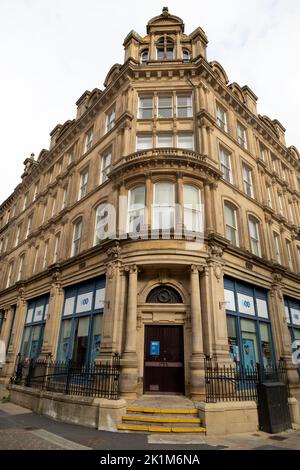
(237, 383)
(94, 380)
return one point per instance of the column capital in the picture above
(131, 268)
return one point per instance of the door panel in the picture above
(164, 359)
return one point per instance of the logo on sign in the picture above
(85, 301)
(246, 303)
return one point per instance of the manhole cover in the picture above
(278, 438)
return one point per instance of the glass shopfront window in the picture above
(34, 327)
(81, 327)
(248, 324)
(292, 312)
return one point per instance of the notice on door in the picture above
(154, 348)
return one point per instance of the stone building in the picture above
(202, 254)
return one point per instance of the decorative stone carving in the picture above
(110, 270)
(115, 251)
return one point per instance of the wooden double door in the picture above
(164, 359)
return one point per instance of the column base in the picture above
(197, 378)
(129, 376)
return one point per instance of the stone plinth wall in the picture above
(97, 413)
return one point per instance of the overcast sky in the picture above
(53, 50)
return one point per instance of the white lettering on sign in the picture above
(229, 300)
(84, 302)
(262, 308)
(246, 304)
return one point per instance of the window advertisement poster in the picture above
(29, 315)
(229, 300)
(84, 302)
(249, 353)
(246, 304)
(295, 313)
(262, 308)
(69, 306)
(38, 314)
(99, 298)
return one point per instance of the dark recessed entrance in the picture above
(164, 359)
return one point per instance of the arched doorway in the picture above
(164, 352)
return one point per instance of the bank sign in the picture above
(246, 304)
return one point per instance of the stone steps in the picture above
(161, 420)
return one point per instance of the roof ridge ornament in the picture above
(165, 11)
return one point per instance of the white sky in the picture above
(51, 51)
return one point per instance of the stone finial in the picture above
(165, 11)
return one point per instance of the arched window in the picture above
(77, 233)
(164, 295)
(136, 209)
(230, 215)
(254, 236)
(101, 221)
(192, 208)
(144, 56)
(165, 49)
(186, 56)
(164, 205)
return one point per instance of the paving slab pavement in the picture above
(20, 428)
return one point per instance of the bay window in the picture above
(164, 140)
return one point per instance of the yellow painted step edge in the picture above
(123, 427)
(189, 430)
(157, 410)
(147, 419)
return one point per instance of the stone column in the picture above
(281, 335)
(197, 385)
(129, 364)
(53, 322)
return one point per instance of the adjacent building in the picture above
(162, 223)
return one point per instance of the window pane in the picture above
(65, 340)
(164, 193)
(191, 196)
(96, 337)
(25, 340)
(165, 106)
(144, 142)
(186, 141)
(164, 140)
